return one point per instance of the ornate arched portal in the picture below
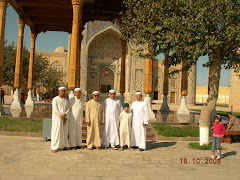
(104, 62)
(106, 80)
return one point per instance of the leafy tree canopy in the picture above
(184, 28)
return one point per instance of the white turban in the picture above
(77, 89)
(138, 93)
(95, 92)
(112, 91)
(61, 88)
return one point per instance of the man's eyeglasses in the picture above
(96, 95)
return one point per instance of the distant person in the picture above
(139, 109)
(94, 118)
(233, 124)
(60, 113)
(218, 133)
(112, 110)
(125, 127)
(2, 96)
(75, 120)
(22, 97)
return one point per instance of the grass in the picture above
(20, 125)
(221, 113)
(222, 105)
(171, 131)
(204, 147)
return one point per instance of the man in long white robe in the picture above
(60, 110)
(94, 119)
(75, 120)
(112, 110)
(139, 109)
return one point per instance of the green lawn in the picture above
(221, 113)
(222, 105)
(204, 147)
(171, 131)
(20, 125)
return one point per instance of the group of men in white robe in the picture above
(67, 119)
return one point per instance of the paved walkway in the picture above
(30, 158)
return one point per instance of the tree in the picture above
(188, 29)
(44, 75)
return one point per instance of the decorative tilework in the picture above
(191, 97)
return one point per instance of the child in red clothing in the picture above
(218, 133)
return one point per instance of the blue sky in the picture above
(49, 41)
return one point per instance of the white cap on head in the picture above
(77, 89)
(61, 88)
(138, 93)
(112, 91)
(95, 92)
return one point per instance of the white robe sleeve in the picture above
(55, 108)
(121, 108)
(131, 108)
(67, 108)
(104, 108)
(146, 114)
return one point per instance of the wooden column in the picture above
(3, 7)
(184, 81)
(148, 75)
(75, 43)
(31, 60)
(19, 60)
(166, 74)
(79, 62)
(123, 67)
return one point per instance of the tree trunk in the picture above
(208, 107)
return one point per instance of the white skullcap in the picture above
(61, 88)
(138, 93)
(112, 91)
(77, 89)
(94, 92)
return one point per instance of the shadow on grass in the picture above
(232, 153)
(154, 145)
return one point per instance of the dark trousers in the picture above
(2, 99)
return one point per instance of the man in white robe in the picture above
(112, 110)
(139, 109)
(75, 120)
(60, 110)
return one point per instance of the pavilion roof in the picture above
(56, 15)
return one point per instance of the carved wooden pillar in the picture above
(183, 110)
(31, 60)
(148, 75)
(29, 101)
(165, 107)
(123, 70)
(19, 60)
(3, 7)
(79, 62)
(166, 74)
(184, 81)
(148, 85)
(123, 67)
(75, 44)
(16, 104)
